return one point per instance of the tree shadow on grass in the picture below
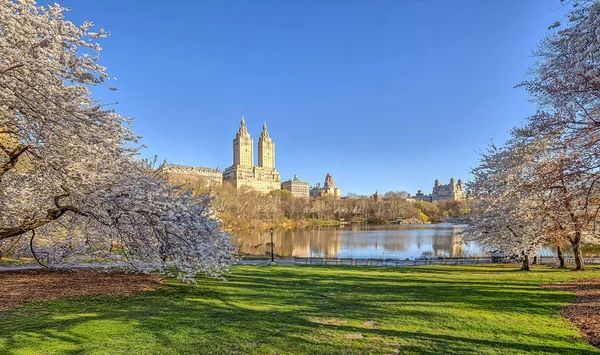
(282, 311)
(352, 292)
(264, 331)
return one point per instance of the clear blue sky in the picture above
(386, 95)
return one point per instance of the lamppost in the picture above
(272, 256)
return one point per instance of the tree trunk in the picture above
(33, 252)
(561, 256)
(535, 259)
(525, 260)
(576, 243)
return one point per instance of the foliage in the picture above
(392, 194)
(545, 180)
(565, 82)
(69, 177)
(245, 207)
(509, 216)
(314, 310)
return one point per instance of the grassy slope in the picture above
(287, 309)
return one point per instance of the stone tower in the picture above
(329, 183)
(266, 150)
(328, 189)
(243, 147)
(264, 177)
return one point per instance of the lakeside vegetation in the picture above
(314, 310)
(246, 208)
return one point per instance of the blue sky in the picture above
(386, 95)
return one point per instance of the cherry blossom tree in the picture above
(68, 169)
(571, 193)
(541, 186)
(565, 82)
(508, 216)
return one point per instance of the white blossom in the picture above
(68, 167)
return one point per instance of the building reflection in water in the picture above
(356, 241)
(359, 242)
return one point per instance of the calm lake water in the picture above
(359, 241)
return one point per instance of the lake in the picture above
(360, 241)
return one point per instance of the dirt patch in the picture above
(19, 287)
(369, 324)
(584, 311)
(335, 322)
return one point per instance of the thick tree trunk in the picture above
(525, 264)
(33, 251)
(576, 243)
(561, 256)
(32, 223)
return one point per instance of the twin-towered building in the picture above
(263, 177)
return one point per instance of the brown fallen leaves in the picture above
(18, 287)
(584, 311)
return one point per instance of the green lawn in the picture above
(16, 262)
(312, 310)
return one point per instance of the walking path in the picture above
(330, 262)
(296, 261)
(364, 262)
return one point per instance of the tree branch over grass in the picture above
(64, 158)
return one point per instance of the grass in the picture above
(313, 310)
(16, 262)
(324, 222)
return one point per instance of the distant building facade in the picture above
(420, 196)
(315, 191)
(451, 191)
(189, 175)
(328, 189)
(296, 187)
(377, 196)
(264, 177)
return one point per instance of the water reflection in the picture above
(390, 241)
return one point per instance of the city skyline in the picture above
(364, 92)
(256, 169)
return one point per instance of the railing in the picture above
(413, 262)
(389, 262)
(568, 260)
